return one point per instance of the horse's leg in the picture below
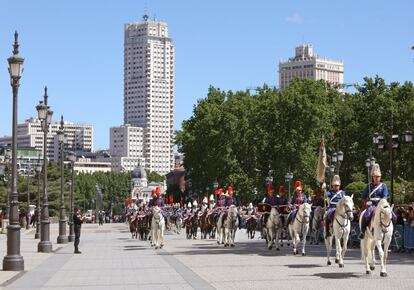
(304, 241)
(226, 233)
(233, 237)
(345, 243)
(338, 259)
(277, 235)
(162, 237)
(378, 244)
(371, 254)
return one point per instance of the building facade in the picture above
(307, 65)
(149, 91)
(126, 147)
(86, 165)
(30, 134)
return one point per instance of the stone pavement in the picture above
(111, 260)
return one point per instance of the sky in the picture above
(75, 47)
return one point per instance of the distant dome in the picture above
(139, 172)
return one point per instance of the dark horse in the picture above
(251, 225)
(205, 226)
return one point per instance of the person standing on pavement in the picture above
(77, 221)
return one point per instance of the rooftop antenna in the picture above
(145, 17)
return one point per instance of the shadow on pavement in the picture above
(343, 275)
(302, 266)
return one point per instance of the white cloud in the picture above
(295, 18)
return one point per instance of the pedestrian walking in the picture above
(77, 221)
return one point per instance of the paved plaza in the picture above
(112, 260)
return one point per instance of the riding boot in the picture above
(363, 228)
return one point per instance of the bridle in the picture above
(303, 217)
(384, 227)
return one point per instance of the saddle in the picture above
(292, 216)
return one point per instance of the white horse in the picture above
(157, 228)
(299, 227)
(380, 231)
(272, 229)
(230, 224)
(178, 223)
(341, 225)
(316, 224)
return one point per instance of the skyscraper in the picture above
(306, 65)
(149, 89)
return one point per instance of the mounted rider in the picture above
(211, 202)
(282, 203)
(333, 196)
(372, 194)
(157, 200)
(271, 200)
(204, 203)
(298, 198)
(230, 200)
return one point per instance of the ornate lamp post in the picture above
(38, 171)
(13, 261)
(28, 172)
(393, 144)
(288, 179)
(72, 158)
(62, 238)
(45, 116)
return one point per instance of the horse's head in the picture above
(385, 211)
(305, 211)
(274, 212)
(347, 203)
(156, 214)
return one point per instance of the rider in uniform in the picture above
(211, 202)
(372, 194)
(333, 196)
(270, 199)
(298, 198)
(230, 200)
(157, 200)
(282, 202)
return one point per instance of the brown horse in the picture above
(251, 225)
(133, 225)
(143, 226)
(213, 224)
(205, 226)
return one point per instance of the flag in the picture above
(320, 170)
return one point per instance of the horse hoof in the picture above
(294, 252)
(336, 261)
(367, 272)
(270, 247)
(156, 247)
(372, 268)
(226, 245)
(341, 265)
(161, 246)
(317, 243)
(277, 249)
(232, 245)
(328, 263)
(222, 243)
(303, 254)
(383, 274)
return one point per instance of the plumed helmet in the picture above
(158, 190)
(211, 197)
(298, 185)
(281, 189)
(153, 194)
(195, 204)
(250, 206)
(270, 188)
(336, 180)
(376, 170)
(230, 189)
(205, 200)
(189, 205)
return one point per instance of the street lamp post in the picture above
(393, 144)
(288, 179)
(45, 116)
(13, 261)
(72, 158)
(62, 238)
(38, 171)
(368, 164)
(29, 169)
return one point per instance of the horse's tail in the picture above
(364, 252)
